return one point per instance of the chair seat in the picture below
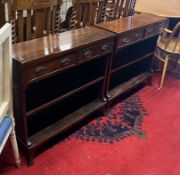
(170, 49)
(5, 126)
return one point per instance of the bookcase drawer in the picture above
(130, 38)
(46, 68)
(97, 50)
(154, 30)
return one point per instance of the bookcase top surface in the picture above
(120, 26)
(58, 44)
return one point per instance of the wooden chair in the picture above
(6, 111)
(33, 18)
(119, 8)
(2, 13)
(101, 11)
(168, 48)
(85, 12)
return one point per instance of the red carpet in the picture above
(158, 154)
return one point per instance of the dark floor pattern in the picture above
(122, 121)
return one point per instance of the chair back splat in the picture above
(86, 12)
(33, 18)
(119, 8)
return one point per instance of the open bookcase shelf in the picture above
(62, 84)
(64, 108)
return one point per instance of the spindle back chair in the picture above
(33, 18)
(168, 48)
(85, 12)
(119, 9)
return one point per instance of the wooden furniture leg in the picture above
(30, 157)
(15, 148)
(164, 71)
(149, 81)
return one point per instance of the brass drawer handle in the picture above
(126, 40)
(105, 47)
(65, 61)
(88, 53)
(40, 70)
(137, 35)
(150, 30)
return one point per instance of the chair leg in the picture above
(15, 148)
(164, 71)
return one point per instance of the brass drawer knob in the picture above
(126, 40)
(40, 70)
(65, 61)
(88, 53)
(137, 35)
(105, 47)
(150, 30)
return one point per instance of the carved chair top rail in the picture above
(33, 4)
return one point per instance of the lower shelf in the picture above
(65, 123)
(119, 90)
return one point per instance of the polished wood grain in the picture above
(165, 8)
(95, 50)
(80, 70)
(134, 35)
(70, 66)
(57, 44)
(120, 26)
(44, 69)
(130, 38)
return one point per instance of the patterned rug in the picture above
(122, 121)
(159, 154)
